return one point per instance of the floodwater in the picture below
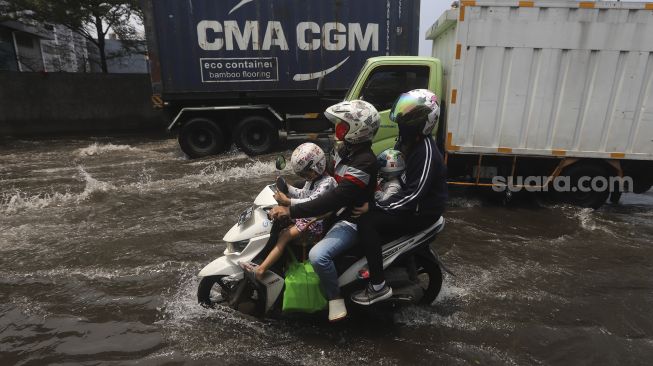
(101, 241)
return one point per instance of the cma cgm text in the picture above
(213, 35)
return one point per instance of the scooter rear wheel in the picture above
(430, 278)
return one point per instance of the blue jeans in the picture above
(339, 239)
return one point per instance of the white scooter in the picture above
(411, 267)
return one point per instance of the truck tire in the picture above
(592, 199)
(201, 137)
(615, 197)
(256, 135)
(641, 183)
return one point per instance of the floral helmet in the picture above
(391, 163)
(306, 157)
(356, 121)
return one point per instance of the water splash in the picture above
(98, 149)
(144, 179)
(590, 222)
(182, 310)
(103, 273)
(13, 202)
(464, 202)
(209, 175)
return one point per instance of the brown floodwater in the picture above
(101, 241)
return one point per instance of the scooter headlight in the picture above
(237, 246)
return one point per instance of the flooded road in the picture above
(101, 241)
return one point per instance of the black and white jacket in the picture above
(424, 185)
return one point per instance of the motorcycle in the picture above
(410, 265)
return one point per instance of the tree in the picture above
(89, 18)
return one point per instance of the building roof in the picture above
(21, 27)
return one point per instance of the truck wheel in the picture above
(576, 174)
(615, 197)
(641, 183)
(201, 137)
(256, 135)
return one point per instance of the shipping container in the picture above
(242, 58)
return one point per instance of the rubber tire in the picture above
(200, 137)
(204, 297)
(204, 290)
(615, 197)
(435, 279)
(641, 184)
(256, 135)
(590, 199)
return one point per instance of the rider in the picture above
(308, 162)
(422, 199)
(356, 123)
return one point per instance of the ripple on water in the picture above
(99, 148)
(15, 201)
(12, 202)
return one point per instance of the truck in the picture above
(533, 93)
(246, 71)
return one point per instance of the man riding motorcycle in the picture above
(419, 203)
(356, 123)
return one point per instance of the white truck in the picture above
(543, 95)
(549, 88)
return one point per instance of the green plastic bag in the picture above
(303, 292)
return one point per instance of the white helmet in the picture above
(356, 121)
(391, 162)
(306, 157)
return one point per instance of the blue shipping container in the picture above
(274, 45)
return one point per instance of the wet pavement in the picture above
(101, 241)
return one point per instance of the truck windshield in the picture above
(385, 83)
(350, 91)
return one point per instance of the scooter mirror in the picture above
(281, 162)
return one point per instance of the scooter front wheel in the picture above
(238, 295)
(208, 295)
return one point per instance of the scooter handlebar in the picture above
(281, 184)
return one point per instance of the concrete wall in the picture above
(61, 103)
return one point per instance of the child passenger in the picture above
(391, 167)
(308, 162)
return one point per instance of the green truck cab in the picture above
(382, 79)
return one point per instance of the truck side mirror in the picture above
(320, 85)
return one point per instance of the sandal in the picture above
(251, 268)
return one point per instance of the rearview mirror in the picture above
(280, 163)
